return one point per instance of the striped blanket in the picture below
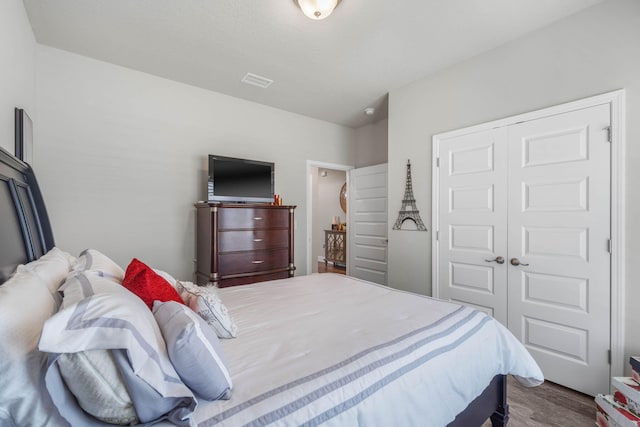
(333, 350)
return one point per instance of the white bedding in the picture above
(332, 349)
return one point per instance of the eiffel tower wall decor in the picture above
(409, 210)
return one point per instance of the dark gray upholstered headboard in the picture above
(25, 230)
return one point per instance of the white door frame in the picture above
(324, 165)
(616, 100)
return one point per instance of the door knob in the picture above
(516, 261)
(499, 260)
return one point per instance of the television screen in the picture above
(240, 180)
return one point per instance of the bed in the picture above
(310, 350)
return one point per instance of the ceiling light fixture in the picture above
(369, 111)
(317, 9)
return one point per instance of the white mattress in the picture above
(333, 350)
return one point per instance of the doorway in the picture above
(325, 184)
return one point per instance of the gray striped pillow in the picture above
(103, 315)
(194, 350)
(91, 260)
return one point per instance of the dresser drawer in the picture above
(252, 240)
(234, 218)
(251, 262)
(246, 280)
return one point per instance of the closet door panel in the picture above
(473, 221)
(559, 226)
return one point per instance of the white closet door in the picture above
(367, 225)
(559, 224)
(473, 221)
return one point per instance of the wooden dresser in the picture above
(240, 244)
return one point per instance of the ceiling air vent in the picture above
(256, 80)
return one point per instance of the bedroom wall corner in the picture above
(594, 51)
(18, 72)
(371, 144)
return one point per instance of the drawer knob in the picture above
(257, 261)
(257, 240)
(257, 218)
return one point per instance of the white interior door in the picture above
(367, 227)
(538, 194)
(559, 230)
(473, 221)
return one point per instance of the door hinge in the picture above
(437, 162)
(608, 129)
(438, 236)
(609, 246)
(609, 357)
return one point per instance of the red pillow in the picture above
(148, 285)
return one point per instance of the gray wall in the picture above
(121, 156)
(18, 70)
(595, 51)
(371, 144)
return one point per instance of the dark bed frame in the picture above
(25, 235)
(25, 230)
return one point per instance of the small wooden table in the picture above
(335, 247)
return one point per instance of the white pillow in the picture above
(26, 302)
(109, 317)
(92, 376)
(94, 379)
(205, 301)
(74, 291)
(52, 267)
(91, 260)
(194, 350)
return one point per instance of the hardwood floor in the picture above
(548, 405)
(330, 268)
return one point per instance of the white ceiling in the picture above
(330, 70)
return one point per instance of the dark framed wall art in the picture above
(24, 136)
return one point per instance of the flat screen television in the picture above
(240, 180)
